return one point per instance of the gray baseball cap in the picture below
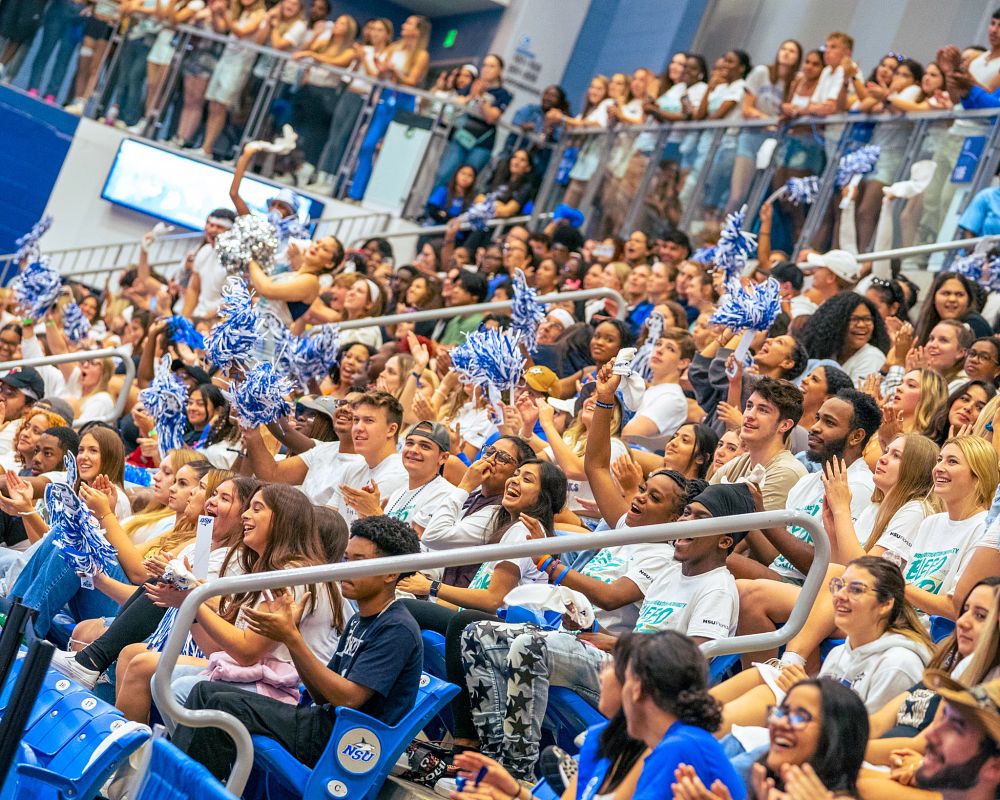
(434, 431)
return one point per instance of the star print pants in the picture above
(509, 669)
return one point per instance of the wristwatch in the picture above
(435, 585)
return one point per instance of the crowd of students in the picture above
(864, 406)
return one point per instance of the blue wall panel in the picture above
(34, 140)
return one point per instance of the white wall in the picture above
(916, 28)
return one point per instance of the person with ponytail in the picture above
(667, 706)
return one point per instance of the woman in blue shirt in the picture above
(448, 202)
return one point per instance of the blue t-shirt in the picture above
(982, 217)
(385, 654)
(593, 767)
(696, 747)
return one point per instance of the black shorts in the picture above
(19, 21)
(97, 29)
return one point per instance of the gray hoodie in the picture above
(879, 670)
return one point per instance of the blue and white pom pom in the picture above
(27, 245)
(181, 578)
(260, 396)
(37, 288)
(799, 191)
(252, 238)
(287, 228)
(466, 364)
(703, 255)
(75, 325)
(231, 342)
(526, 312)
(482, 212)
(654, 329)
(749, 310)
(165, 400)
(735, 246)
(313, 356)
(181, 331)
(979, 268)
(75, 531)
(857, 162)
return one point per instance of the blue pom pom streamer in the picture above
(654, 329)
(158, 639)
(491, 360)
(165, 400)
(183, 332)
(743, 309)
(735, 245)
(231, 342)
(857, 162)
(27, 245)
(312, 357)
(980, 269)
(703, 255)
(526, 312)
(74, 529)
(480, 213)
(259, 398)
(37, 288)
(466, 365)
(287, 228)
(75, 325)
(802, 191)
(139, 476)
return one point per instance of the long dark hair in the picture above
(705, 442)
(674, 675)
(224, 430)
(504, 176)
(929, 316)
(939, 428)
(843, 737)
(469, 194)
(615, 743)
(551, 499)
(773, 70)
(824, 334)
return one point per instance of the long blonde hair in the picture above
(982, 461)
(933, 395)
(156, 511)
(986, 656)
(915, 483)
(575, 434)
(423, 39)
(184, 530)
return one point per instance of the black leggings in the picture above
(432, 617)
(136, 621)
(312, 113)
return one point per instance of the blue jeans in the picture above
(62, 30)
(132, 79)
(391, 102)
(456, 156)
(741, 759)
(47, 584)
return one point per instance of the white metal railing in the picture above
(933, 247)
(434, 230)
(169, 707)
(86, 355)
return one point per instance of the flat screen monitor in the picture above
(182, 190)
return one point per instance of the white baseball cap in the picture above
(840, 262)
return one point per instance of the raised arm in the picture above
(290, 470)
(234, 188)
(597, 457)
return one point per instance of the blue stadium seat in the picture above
(542, 791)
(171, 774)
(357, 759)
(434, 654)
(568, 715)
(941, 627)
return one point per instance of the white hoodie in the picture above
(880, 670)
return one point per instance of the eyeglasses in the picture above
(974, 355)
(796, 720)
(854, 588)
(862, 321)
(499, 455)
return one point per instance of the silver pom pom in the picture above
(252, 238)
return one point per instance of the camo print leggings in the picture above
(509, 669)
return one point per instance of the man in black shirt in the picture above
(376, 668)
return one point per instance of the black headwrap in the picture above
(727, 500)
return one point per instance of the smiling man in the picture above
(962, 745)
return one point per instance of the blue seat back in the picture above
(941, 627)
(174, 775)
(359, 755)
(434, 654)
(568, 715)
(63, 721)
(542, 791)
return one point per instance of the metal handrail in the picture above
(465, 226)
(501, 305)
(86, 355)
(933, 247)
(169, 707)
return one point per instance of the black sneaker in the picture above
(557, 767)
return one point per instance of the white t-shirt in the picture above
(417, 506)
(800, 305)
(724, 93)
(706, 605)
(213, 277)
(941, 550)
(150, 531)
(99, 407)
(526, 566)
(448, 527)
(388, 475)
(7, 453)
(985, 69)
(768, 96)
(666, 406)
(641, 564)
(577, 490)
(863, 363)
(831, 81)
(474, 424)
(326, 466)
(897, 538)
(807, 496)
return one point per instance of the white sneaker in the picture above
(76, 107)
(64, 661)
(139, 128)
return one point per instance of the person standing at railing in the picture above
(198, 64)
(404, 63)
(285, 29)
(19, 21)
(97, 32)
(320, 95)
(594, 115)
(472, 140)
(242, 20)
(62, 29)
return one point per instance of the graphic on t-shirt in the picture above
(654, 615)
(604, 566)
(926, 569)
